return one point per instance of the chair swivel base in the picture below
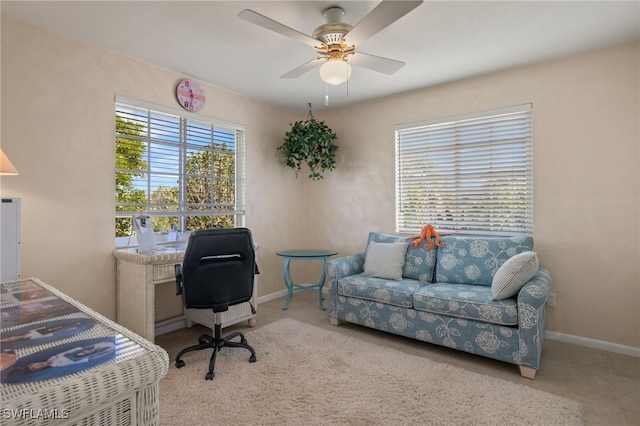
(216, 343)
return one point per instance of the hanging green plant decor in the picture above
(311, 142)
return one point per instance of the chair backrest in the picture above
(218, 269)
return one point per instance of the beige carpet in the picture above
(306, 375)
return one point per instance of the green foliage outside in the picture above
(128, 156)
(210, 178)
(203, 189)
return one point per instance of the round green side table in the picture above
(307, 254)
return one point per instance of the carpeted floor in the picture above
(306, 375)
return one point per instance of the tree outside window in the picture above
(183, 172)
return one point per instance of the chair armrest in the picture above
(178, 273)
(345, 266)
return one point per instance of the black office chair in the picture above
(217, 271)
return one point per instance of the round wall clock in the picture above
(190, 95)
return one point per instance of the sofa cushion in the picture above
(467, 301)
(419, 263)
(391, 292)
(384, 260)
(469, 260)
(513, 274)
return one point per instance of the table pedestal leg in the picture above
(321, 282)
(288, 281)
(291, 287)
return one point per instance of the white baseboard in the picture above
(593, 343)
(171, 324)
(272, 296)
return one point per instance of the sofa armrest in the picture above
(345, 266)
(532, 299)
(534, 293)
(336, 270)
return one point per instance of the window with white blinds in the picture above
(469, 174)
(184, 170)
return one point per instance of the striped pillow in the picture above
(513, 274)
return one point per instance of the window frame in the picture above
(188, 122)
(508, 132)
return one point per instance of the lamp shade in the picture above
(6, 168)
(335, 71)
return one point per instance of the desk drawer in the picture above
(163, 272)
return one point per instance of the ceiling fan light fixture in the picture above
(335, 71)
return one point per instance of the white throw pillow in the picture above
(513, 274)
(385, 260)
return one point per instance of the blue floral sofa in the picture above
(444, 296)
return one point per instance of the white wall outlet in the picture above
(551, 299)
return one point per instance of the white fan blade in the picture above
(384, 14)
(297, 72)
(268, 23)
(376, 63)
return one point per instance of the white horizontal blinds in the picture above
(180, 168)
(240, 179)
(210, 168)
(468, 174)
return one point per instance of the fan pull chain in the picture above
(326, 94)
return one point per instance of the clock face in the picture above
(190, 95)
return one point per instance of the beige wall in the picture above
(586, 178)
(57, 127)
(58, 130)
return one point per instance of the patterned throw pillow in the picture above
(385, 260)
(475, 260)
(419, 263)
(513, 274)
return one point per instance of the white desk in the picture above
(120, 388)
(137, 276)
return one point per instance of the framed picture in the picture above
(44, 332)
(60, 360)
(29, 312)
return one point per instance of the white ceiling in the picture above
(440, 41)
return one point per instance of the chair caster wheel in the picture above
(209, 376)
(179, 363)
(252, 358)
(202, 341)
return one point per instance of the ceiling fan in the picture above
(336, 42)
